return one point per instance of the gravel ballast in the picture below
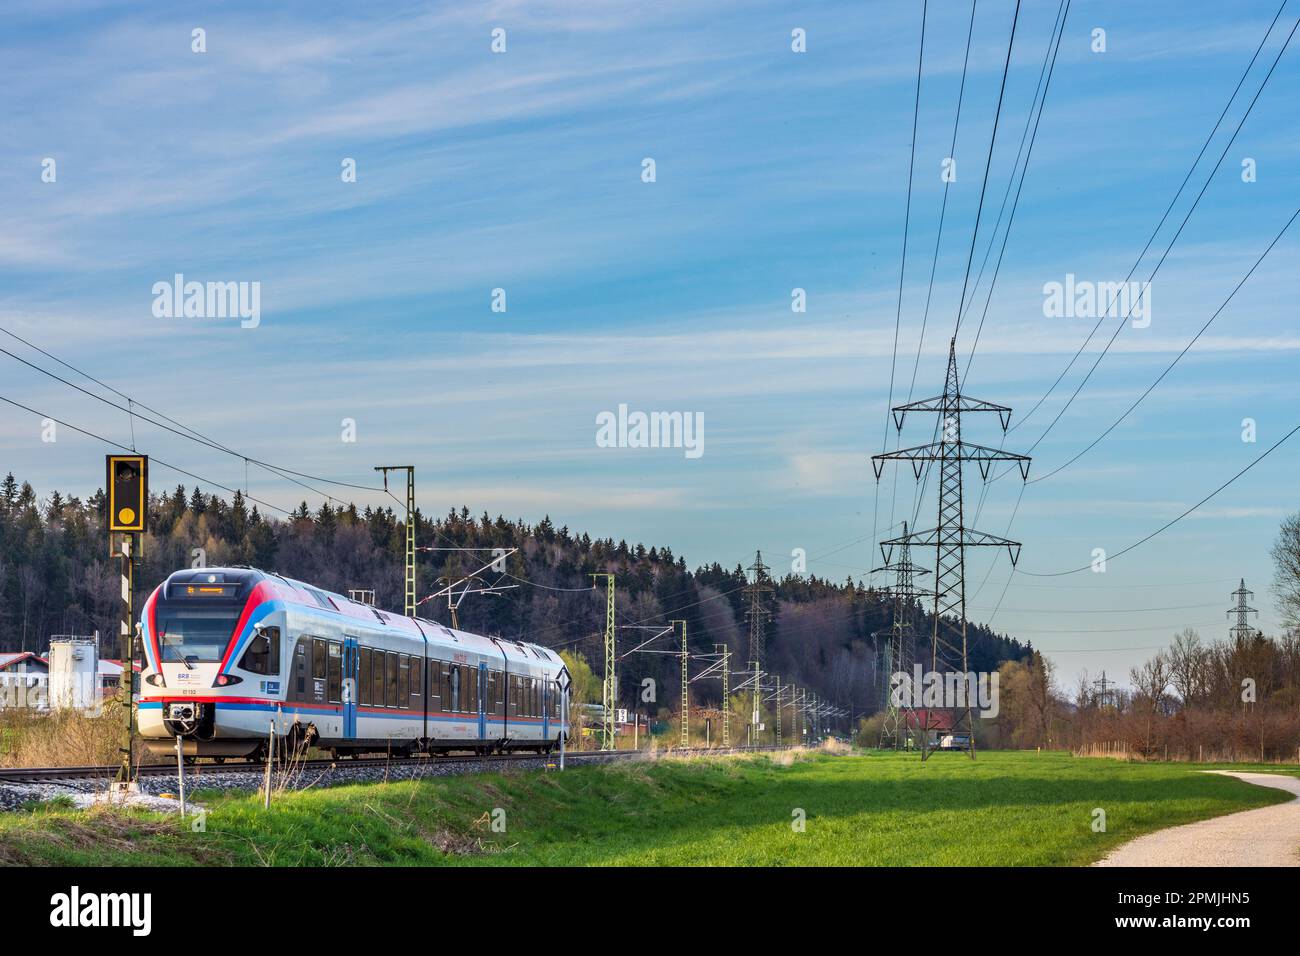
(14, 795)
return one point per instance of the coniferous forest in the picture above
(56, 577)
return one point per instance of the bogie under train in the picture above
(235, 655)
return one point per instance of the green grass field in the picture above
(1006, 808)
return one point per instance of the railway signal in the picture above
(127, 490)
(127, 485)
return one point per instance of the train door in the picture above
(482, 700)
(351, 669)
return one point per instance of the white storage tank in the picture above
(74, 673)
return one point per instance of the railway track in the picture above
(196, 772)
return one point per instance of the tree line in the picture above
(1235, 697)
(56, 577)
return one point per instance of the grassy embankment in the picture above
(1007, 808)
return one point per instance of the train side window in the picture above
(453, 682)
(417, 683)
(318, 659)
(377, 678)
(363, 678)
(390, 674)
(403, 681)
(435, 686)
(334, 682)
(300, 668)
(471, 677)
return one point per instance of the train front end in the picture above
(212, 661)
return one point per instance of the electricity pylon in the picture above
(609, 690)
(950, 537)
(900, 650)
(1242, 629)
(756, 613)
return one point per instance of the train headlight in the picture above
(226, 680)
(156, 680)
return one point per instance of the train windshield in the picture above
(192, 636)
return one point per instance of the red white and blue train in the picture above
(234, 655)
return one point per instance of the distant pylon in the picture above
(1106, 686)
(900, 649)
(950, 537)
(1242, 629)
(757, 613)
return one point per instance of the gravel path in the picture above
(1269, 836)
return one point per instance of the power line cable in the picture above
(1165, 527)
(153, 459)
(988, 164)
(1168, 209)
(1169, 368)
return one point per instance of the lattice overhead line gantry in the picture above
(686, 684)
(609, 688)
(949, 650)
(719, 666)
(409, 603)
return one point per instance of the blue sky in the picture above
(775, 171)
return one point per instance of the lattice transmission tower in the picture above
(900, 649)
(1242, 629)
(757, 613)
(950, 537)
